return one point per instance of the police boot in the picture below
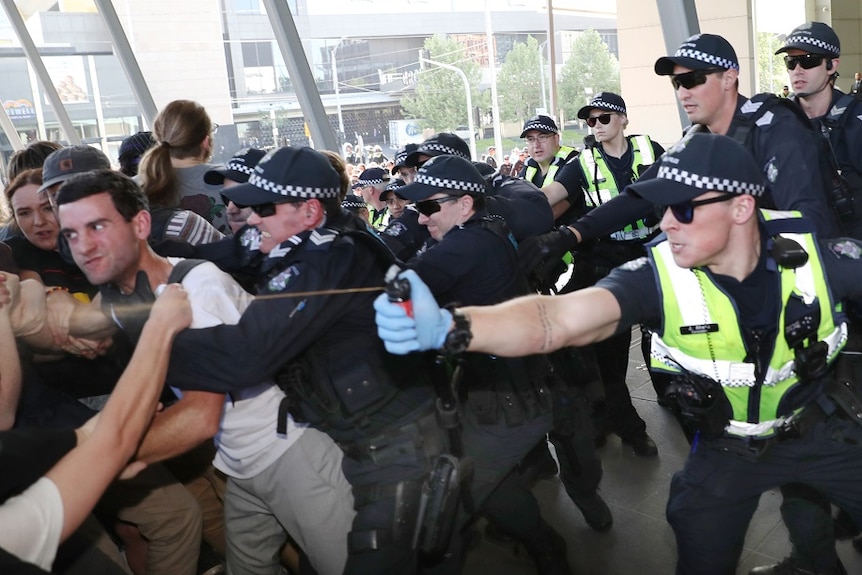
(596, 512)
(547, 548)
(790, 567)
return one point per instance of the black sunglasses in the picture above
(430, 207)
(693, 79)
(263, 210)
(807, 61)
(684, 211)
(605, 119)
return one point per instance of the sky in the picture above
(779, 16)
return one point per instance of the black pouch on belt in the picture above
(438, 503)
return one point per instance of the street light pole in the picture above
(542, 75)
(335, 85)
(460, 72)
(492, 64)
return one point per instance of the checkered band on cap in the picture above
(235, 166)
(812, 41)
(300, 192)
(399, 183)
(540, 126)
(352, 202)
(707, 58)
(710, 183)
(599, 103)
(360, 183)
(447, 184)
(400, 157)
(440, 149)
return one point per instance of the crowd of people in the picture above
(200, 373)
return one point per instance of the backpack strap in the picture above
(182, 268)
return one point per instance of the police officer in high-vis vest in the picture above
(745, 306)
(605, 169)
(544, 168)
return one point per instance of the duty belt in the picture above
(420, 438)
(799, 425)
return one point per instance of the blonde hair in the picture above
(181, 130)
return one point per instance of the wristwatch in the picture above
(458, 338)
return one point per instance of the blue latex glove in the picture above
(428, 327)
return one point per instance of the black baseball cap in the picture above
(452, 175)
(238, 168)
(700, 52)
(442, 144)
(603, 101)
(401, 157)
(814, 38)
(541, 123)
(287, 175)
(393, 188)
(701, 163)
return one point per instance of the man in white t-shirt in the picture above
(286, 481)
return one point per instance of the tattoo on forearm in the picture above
(546, 327)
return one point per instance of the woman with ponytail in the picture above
(171, 172)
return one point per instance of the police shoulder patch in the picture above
(279, 282)
(846, 248)
(395, 229)
(635, 264)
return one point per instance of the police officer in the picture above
(338, 378)
(369, 186)
(400, 167)
(811, 53)
(744, 304)
(506, 402)
(603, 170)
(544, 168)
(704, 72)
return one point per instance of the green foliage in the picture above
(590, 69)
(440, 98)
(519, 85)
(771, 72)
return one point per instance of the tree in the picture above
(771, 72)
(519, 82)
(440, 98)
(590, 69)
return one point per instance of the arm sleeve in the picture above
(273, 330)
(842, 262)
(31, 523)
(634, 286)
(789, 155)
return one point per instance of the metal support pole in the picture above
(542, 75)
(470, 125)
(126, 56)
(552, 62)
(678, 22)
(293, 53)
(32, 54)
(10, 130)
(492, 63)
(335, 85)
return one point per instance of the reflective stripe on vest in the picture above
(601, 179)
(691, 298)
(559, 160)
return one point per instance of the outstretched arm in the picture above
(82, 476)
(522, 326)
(10, 364)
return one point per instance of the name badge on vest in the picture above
(698, 329)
